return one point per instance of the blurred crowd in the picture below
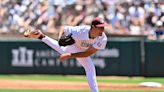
(124, 17)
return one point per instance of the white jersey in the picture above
(81, 37)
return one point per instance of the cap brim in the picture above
(102, 25)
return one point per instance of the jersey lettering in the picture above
(85, 44)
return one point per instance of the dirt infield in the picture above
(61, 85)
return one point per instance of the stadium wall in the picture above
(120, 58)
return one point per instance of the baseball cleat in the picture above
(34, 34)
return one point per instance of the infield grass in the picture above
(122, 80)
(117, 80)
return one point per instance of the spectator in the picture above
(137, 15)
(158, 33)
(3, 18)
(117, 18)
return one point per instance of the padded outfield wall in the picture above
(121, 58)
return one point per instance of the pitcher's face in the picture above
(98, 31)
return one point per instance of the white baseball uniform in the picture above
(82, 43)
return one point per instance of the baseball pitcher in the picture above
(78, 42)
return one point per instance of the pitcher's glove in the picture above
(66, 40)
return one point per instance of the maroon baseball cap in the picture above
(97, 22)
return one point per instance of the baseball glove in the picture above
(66, 40)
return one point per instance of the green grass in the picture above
(119, 80)
(130, 80)
(44, 77)
(133, 80)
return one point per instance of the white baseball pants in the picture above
(85, 62)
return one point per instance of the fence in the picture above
(122, 57)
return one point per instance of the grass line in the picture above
(127, 80)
